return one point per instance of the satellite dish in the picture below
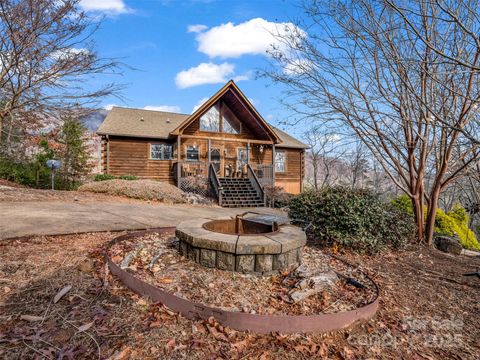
(54, 164)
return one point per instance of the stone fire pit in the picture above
(241, 244)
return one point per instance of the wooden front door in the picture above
(216, 160)
(242, 160)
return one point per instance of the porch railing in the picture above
(256, 183)
(192, 177)
(214, 182)
(264, 173)
(196, 176)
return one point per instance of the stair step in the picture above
(239, 192)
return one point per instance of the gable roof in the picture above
(160, 125)
(231, 92)
(140, 123)
(164, 125)
(288, 141)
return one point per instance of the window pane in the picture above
(280, 161)
(231, 125)
(210, 121)
(155, 151)
(167, 152)
(193, 154)
(161, 151)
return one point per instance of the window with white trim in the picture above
(280, 161)
(161, 151)
(193, 153)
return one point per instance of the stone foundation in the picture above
(261, 254)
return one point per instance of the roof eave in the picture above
(210, 102)
(133, 136)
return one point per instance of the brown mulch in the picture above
(233, 291)
(428, 311)
(11, 192)
(4, 182)
(137, 189)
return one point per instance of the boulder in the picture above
(313, 285)
(448, 244)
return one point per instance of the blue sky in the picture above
(182, 51)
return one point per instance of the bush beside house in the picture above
(358, 219)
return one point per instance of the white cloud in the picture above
(199, 103)
(205, 73)
(243, 77)
(68, 52)
(105, 6)
(196, 28)
(109, 106)
(297, 66)
(255, 36)
(166, 108)
(269, 117)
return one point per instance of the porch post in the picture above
(248, 152)
(179, 157)
(273, 164)
(209, 150)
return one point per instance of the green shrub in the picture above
(357, 219)
(403, 203)
(30, 172)
(21, 173)
(455, 222)
(128, 177)
(451, 223)
(103, 177)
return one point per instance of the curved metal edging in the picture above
(237, 320)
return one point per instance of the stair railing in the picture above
(256, 184)
(215, 183)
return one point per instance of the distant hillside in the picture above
(93, 120)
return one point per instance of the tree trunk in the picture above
(432, 212)
(417, 202)
(315, 175)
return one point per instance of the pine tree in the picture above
(74, 154)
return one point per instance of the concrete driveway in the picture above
(19, 219)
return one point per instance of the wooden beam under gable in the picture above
(240, 97)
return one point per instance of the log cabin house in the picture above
(225, 147)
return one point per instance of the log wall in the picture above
(131, 156)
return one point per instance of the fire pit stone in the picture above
(241, 244)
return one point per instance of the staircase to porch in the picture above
(239, 192)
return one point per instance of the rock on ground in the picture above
(448, 244)
(313, 285)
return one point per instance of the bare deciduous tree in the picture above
(324, 156)
(359, 166)
(361, 65)
(47, 62)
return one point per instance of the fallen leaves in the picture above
(123, 354)
(61, 293)
(85, 327)
(125, 330)
(165, 280)
(31, 318)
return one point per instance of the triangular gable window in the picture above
(230, 123)
(210, 121)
